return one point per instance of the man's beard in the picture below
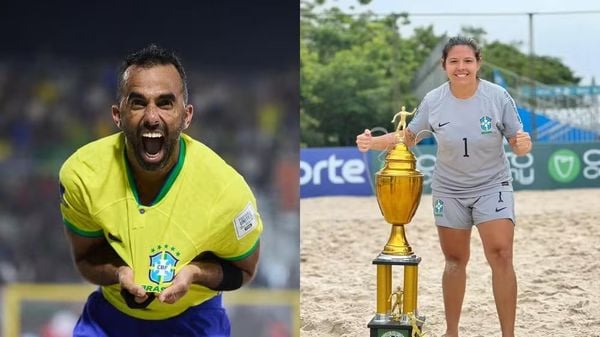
(169, 143)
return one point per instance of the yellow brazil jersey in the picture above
(204, 206)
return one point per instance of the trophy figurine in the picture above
(398, 190)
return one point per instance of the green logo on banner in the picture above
(564, 166)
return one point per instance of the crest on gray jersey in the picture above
(486, 124)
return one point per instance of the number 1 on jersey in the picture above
(466, 150)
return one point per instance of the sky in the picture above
(573, 38)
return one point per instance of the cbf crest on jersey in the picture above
(486, 124)
(162, 264)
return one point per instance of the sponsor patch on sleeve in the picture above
(245, 221)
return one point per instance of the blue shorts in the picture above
(102, 319)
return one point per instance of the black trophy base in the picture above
(391, 328)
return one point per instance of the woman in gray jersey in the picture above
(471, 183)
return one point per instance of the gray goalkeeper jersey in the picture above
(470, 156)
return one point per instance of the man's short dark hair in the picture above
(148, 57)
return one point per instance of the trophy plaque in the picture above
(398, 190)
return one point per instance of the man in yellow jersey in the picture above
(155, 218)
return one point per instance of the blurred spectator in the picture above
(60, 325)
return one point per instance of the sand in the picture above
(556, 257)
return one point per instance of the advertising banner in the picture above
(333, 171)
(345, 170)
(548, 166)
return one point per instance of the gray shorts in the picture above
(463, 213)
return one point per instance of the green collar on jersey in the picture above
(170, 177)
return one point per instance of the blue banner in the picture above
(343, 170)
(333, 171)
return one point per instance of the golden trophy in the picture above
(398, 190)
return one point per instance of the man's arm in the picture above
(211, 271)
(216, 274)
(98, 263)
(95, 259)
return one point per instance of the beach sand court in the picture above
(556, 257)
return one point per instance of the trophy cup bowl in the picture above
(398, 189)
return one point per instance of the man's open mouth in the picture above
(152, 144)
